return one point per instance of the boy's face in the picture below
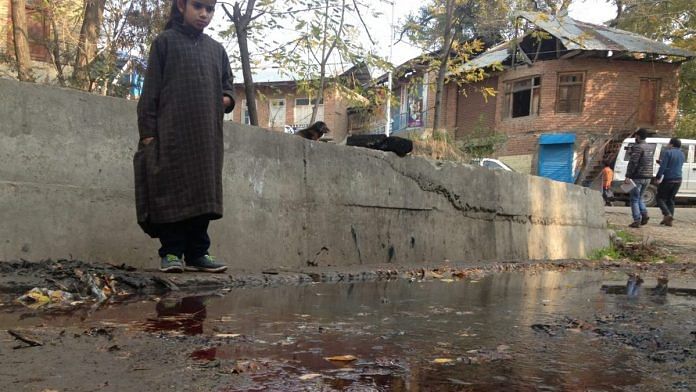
(197, 13)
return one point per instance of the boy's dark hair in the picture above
(175, 16)
(606, 163)
(675, 142)
(642, 134)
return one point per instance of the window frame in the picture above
(509, 91)
(560, 84)
(271, 123)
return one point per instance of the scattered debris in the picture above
(38, 297)
(341, 358)
(310, 376)
(26, 338)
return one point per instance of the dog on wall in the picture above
(398, 145)
(314, 131)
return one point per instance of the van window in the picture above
(684, 149)
(651, 150)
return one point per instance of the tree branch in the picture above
(357, 10)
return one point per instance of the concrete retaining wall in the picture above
(66, 191)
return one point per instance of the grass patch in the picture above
(610, 251)
(628, 246)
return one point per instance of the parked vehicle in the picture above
(657, 146)
(491, 163)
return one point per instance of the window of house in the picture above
(571, 88)
(522, 97)
(245, 112)
(647, 101)
(303, 111)
(276, 116)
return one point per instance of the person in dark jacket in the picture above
(178, 165)
(669, 178)
(640, 171)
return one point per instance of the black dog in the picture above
(398, 145)
(314, 132)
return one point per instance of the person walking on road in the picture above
(640, 171)
(669, 178)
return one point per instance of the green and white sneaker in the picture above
(205, 263)
(171, 263)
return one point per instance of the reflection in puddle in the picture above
(510, 331)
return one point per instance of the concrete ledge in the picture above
(66, 191)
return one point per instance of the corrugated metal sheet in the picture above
(557, 138)
(584, 36)
(493, 56)
(556, 161)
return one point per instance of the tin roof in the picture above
(585, 36)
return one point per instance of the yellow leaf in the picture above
(341, 358)
(227, 335)
(447, 280)
(310, 376)
(443, 360)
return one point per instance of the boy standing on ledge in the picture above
(178, 165)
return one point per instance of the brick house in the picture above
(597, 83)
(282, 105)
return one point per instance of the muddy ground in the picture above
(493, 326)
(678, 240)
(479, 326)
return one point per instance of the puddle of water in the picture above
(436, 336)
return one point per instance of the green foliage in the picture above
(481, 142)
(686, 126)
(609, 252)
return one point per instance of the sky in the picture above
(590, 11)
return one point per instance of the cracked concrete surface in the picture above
(66, 192)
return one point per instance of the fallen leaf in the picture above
(227, 335)
(443, 360)
(341, 358)
(310, 376)
(447, 280)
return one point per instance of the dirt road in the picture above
(680, 239)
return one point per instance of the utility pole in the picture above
(387, 126)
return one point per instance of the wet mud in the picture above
(555, 328)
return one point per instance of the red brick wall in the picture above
(473, 105)
(610, 100)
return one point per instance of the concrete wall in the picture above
(66, 191)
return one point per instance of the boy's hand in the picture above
(147, 140)
(226, 101)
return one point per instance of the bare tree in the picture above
(21, 40)
(87, 45)
(241, 25)
(444, 61)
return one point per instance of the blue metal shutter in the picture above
(556, 156)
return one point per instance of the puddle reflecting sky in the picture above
(398, 330)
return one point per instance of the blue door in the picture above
(556, 156)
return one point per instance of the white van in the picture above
(657, 146)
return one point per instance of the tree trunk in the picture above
(55, 52)
(21, 40)
(241, 22)
(87, 45)
(325, 55)
(442, 69)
